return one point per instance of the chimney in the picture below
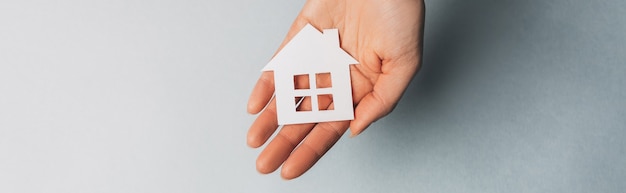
(332, 37)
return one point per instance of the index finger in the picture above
(262, 93)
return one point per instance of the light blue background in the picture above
(150, 96)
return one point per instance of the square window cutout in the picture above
(323, 80)
(303, 104)
(325, 102)
(301, 81)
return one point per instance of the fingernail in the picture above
(353, 134)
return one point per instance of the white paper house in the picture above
(311, 52)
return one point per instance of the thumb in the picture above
(386, 93)
(371, 108)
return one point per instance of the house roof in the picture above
(311, 47)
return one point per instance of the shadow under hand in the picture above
(458, 35)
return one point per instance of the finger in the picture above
(263, 127)
(266, 123)
(262, 93)
(287, 139)
(281, 146)
(385, 95)
(317, 143)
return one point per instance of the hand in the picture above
(384, 36)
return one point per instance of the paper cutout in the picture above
(312, 54)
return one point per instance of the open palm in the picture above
(384, 36)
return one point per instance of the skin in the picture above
(385, 36)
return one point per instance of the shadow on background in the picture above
(464, 25)
(454, 36)
(459, 36)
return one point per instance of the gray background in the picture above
(150, 96)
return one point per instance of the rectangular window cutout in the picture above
(303, 104)
(301, 81)
(323, 80)
(324, 102)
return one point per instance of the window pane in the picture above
(303, 104)
(324, 102)
(323, 80)
(301, 81)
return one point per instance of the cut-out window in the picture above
(323, 80)
(324, 102)
(303, 104)
(301, 81)
(310, 98)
